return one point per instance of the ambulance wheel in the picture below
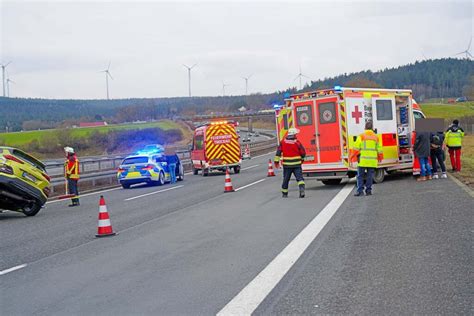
(237, 169)
(331, 181)
(205, 172)
(195, 171)
(379, 175)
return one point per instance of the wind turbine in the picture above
(107, 75)
(223, 88)
(189, 76)
(8, 86)
(4, 66)
(301, 75)
(247, 83)
(468, 54)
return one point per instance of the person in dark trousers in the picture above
(293, 154)
(454, 136)
(367, 152)
(422, 151)
(437, 154)
(172, 161)
(71, 172)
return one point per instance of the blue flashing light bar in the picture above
(338, 88)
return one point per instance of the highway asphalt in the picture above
(189, 249)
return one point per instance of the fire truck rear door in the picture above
(305, 122)
(328, 133)
(385, 122)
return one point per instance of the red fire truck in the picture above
(216, 147)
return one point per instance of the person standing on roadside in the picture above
(71, 172)
(422, 151)
(454, 136)
(293, 154)
(437, 154)
(368, 153)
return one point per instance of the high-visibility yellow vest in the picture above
(454, 139)
(72, 169)
(367, 144)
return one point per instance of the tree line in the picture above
(429, 79)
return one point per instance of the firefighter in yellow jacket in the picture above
(367, 152)
(71, 172)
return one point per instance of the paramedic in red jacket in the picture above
(292, 153)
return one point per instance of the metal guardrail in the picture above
(103, 171)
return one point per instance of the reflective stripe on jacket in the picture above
(454, 137)
(291, 151)
(367, 149)
(71, 168)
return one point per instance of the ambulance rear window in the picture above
(384, 110)
(327, 112)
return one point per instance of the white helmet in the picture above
(69, 150)
(293, 131)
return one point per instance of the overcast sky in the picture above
(57, 48)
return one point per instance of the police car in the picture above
(149, 166)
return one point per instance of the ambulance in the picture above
(330, 121)
(216, 146)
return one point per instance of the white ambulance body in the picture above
(330, 121)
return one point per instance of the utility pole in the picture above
(189, 76)
(4, 66)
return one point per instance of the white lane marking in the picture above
(257, 290)
(156, 192)
(249, 185)
(12, 269)
(87, 194)
(250, 167)
(264, 154)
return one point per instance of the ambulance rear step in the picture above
(323, 175)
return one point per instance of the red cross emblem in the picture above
(357, 114)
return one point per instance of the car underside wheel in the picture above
(237, 169)
(379, 175)
(331, 181)
(161, 179)
(195, 171)
(31, 209)
(205, 172)
(125, 185)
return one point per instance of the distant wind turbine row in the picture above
(6, 81)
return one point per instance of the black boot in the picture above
(284, 194)
(302, 191)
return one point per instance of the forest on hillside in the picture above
(429, 79)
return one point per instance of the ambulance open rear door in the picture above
(385, 124)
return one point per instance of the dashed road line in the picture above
(249, 185)
(13, 269)
(247, 301)
(250, 167)
(151, 193)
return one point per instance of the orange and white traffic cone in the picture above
(246, 154)
(104, 227)
(228, 183)
(271, 173)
